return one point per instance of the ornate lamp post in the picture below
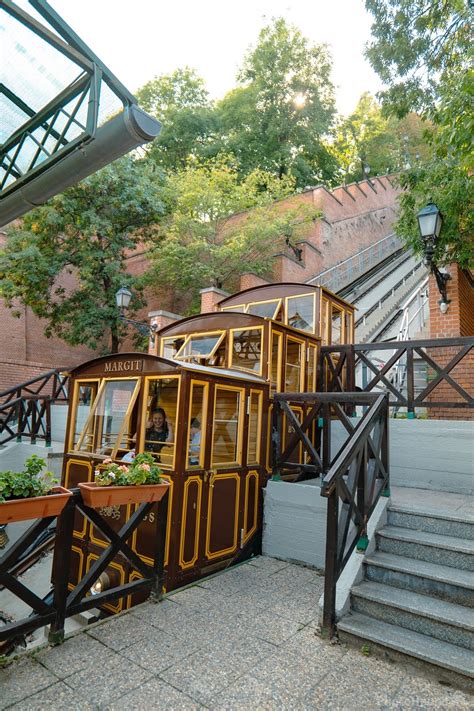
(122, 299)
(430, 222)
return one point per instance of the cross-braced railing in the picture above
(353, 479)
(61, 602)
(25, 409)
(448, 372)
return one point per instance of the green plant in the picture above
(32, 481)
(365, 649)
(143, 470)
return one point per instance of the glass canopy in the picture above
(56, 96)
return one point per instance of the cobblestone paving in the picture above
(245, 639)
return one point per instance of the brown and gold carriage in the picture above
(220, 369)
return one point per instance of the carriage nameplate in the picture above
(120, 366)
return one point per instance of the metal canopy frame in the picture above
(66, 124)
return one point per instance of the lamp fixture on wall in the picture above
(122, 299)
(430, 222)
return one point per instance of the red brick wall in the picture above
(354, 218)
(457, 321)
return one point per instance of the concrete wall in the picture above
(424, 454)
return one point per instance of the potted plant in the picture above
(119, 483)
(31, 493)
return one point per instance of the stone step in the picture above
(434, 652)
(439, 581)
(445, 524)
(419, 613)
(430, 547)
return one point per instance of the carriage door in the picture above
(224, 478)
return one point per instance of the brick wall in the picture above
(354, 217)
(457, 321)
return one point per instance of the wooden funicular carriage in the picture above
(219, 370)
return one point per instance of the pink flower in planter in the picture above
(145, 467)
(123, 468)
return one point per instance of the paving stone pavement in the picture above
(244, 639)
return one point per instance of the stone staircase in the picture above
(417, 596)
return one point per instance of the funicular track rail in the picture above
(352, 481)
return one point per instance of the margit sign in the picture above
(123, 366)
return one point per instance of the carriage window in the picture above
(200, 346)
(197, 425)
(247, 349)
(312, 355)
(170, 346)
(275, 380)
(336, 325)
(234, 309)
(159, 429)
(226, 430)
(265, 309)
(300, 312)
(293, 365)
(349, 328)
(323, 332)
(254, 431)
(86, 394)
(110, 423)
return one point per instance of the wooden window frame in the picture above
(146, 390)
(279, 369)
(75, 397)
(205, 404)
(300, 296)
(302, 343)
(184, 359)
(238, 463)
(231, 349)
(259, 393)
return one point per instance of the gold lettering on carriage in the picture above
(123, 366)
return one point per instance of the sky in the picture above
(140, 39)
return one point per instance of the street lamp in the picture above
(122, 299)
(430, 222)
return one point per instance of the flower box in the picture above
(35, 507)
(96, 496)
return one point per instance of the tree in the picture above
(181, 102)
(279, 117)
(369, 139)
(421, 49)
(208, 238)
(417, 45)
(68, 258)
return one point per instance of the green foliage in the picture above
(203, 241)
(263, 124)
(67, 258)
(181, 102)
(369, 138)
(422, 50)
(31, 482)
(143, 470)
(416, 45)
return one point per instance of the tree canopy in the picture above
(204, 240)
(181, 102)
(86, 234)
(416, 45)
(421, 50)
(280, 115)
(369, 142)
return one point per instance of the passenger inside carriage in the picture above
(194, 441)
(158, 432)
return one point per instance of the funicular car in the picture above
(211, 377)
